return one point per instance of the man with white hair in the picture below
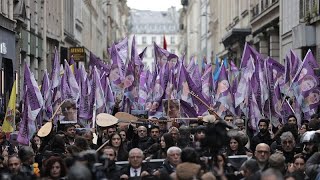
(170, 164)
(135, 168)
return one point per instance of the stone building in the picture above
(152, 26)
(30, 30)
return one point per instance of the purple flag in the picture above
(95, 61)
(194, 72)
(207, 83)
(187, 110)
(243, 88)
(141, 55)
(84, 112)
(198, 105)
(183, 86)
(254, 110)
(295, 63)
(248, 53)
(99, 99)
(285, 81)
(305, 85)
(143, 89)
(46, 92)
(121, 49)
(35, 97)
(72, 83)
(224, 97)
(27, 125)
(65, 89)
(117, 68)
(275, 74)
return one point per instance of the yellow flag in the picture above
(9, 120)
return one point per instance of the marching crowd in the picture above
(193, 150)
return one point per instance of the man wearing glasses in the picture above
(262, 154)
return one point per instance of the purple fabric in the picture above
(84, 112)
(27, 126)
(305, 85)
(95, 61)
(224, 97)
(72, 83)
(207, 83)
(121, 49)
(35, 97)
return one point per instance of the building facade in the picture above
(152, 26)
(190, 29)
(273, 27)
(8, 62)
(300, 27)
(31, 30)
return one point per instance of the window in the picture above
(172, 40)
(173, 51)
(154, 39)
(144, 40)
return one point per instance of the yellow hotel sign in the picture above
(78, 53)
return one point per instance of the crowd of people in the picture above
(193, 150)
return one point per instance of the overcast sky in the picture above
(154, 5)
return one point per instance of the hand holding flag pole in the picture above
(210, 110)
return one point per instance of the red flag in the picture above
(164, 43)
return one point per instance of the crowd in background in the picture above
(193, 150)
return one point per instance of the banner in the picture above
(9, 120)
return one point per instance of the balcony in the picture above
(264, 16)
(261, 7)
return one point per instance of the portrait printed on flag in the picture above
(69, 112)
(171, 108)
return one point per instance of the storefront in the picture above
(8, 60)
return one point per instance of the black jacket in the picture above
(165, 170)
(126, 170)
(259, 138)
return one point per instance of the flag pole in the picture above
(265, 65)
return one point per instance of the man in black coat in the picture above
(263, 136)
(170, 164)
(135, 168)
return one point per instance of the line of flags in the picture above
(259, 88)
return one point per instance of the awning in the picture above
(235, 35)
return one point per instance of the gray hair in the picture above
(79, 171)
(287, 135)
(173, 149)
(272, 172)
(136, 149)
